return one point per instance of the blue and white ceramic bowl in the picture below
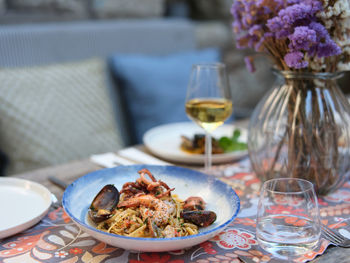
(220, 198)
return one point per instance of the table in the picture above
(206, 252)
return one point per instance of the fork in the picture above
(334, 237)
(63, 185)
(55, 203)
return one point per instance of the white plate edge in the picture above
(23, 226)
(192, 158)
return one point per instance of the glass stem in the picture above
(208, 152)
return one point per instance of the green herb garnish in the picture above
(230, 144)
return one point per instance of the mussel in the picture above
(202, 218)
(103, 204)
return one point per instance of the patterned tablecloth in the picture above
(57, 239)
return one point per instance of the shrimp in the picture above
(151, 207)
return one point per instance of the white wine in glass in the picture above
(208, 101)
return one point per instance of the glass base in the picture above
(285, 251)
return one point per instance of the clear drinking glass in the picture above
(208, 101)
(288, 223)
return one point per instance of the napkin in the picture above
(110, 160)
(141, 157)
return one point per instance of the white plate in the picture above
(22, 204)
(164, 141)
(220, 198)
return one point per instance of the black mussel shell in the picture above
(199, 218)
(103, 204)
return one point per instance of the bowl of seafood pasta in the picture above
(150, 208)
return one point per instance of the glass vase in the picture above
(301, 129)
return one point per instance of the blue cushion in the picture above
(154, 87)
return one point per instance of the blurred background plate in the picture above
(164, 141)
(23, 203)
(220, 198)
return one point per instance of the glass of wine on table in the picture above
(208, 101)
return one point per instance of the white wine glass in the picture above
(208, 101)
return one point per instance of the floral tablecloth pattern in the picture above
(57, 239)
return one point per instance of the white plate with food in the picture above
(148, 215)
(166, 142)
(24, 203)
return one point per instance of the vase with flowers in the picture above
(301, 128)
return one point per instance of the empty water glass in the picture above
(288, 222)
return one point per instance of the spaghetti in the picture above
(147, 208)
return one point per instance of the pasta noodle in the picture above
(129, 222)
(147, 208)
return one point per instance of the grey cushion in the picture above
(54, 114)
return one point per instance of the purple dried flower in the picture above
(276, 25)
(325, 46)
(327, 49)
(273, 5)
(253, 40)
(295, 15)
(237, 28)
(256, 30)
(259, 46)
(316, 5)
(246, 40)
(251, 16)
(248, 20)
(321, 31)
(295, 60)
(292, 2)
(237, 11)
(302, 39)
(273, 25)
(249, 62)
(295, 12)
